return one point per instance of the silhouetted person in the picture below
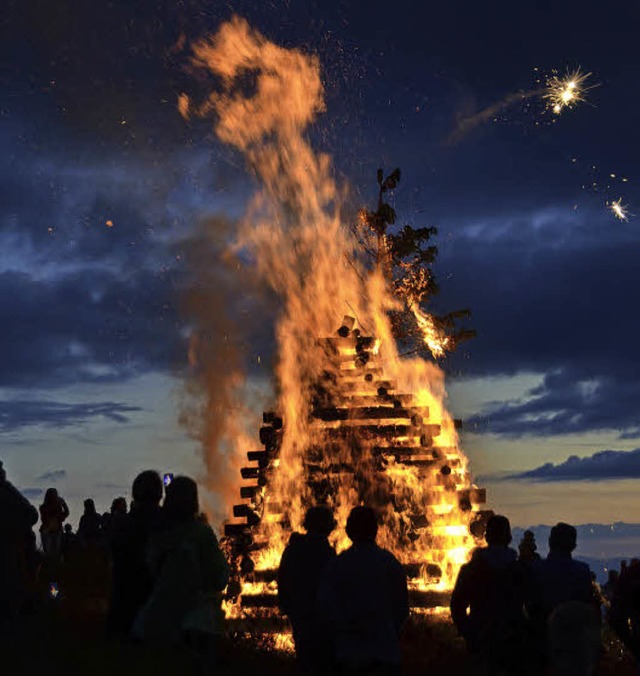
(527, 548)
(364, 600)
(131, 578)
(69, 540)
(610, 587)
(564, 606)
(303, 561)
(119, 506)
(17, 548)
(624, 615)
(53, 513)
(189, 572)
(487, 604)
(111, 519)
(89, 529)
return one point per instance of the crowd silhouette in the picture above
(518, 613)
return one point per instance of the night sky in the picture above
(104, 186)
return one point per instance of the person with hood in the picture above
(303, 562)
(189, 572)
(487, 603)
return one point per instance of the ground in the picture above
(65, 635)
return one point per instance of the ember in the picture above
(354, 422)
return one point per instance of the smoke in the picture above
(221, 303)
(465, 125)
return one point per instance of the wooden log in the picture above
(412, 571)
(363, 383)
(417, 599)
(370, 431)
(429, 599)
(351, 340)
(361, 413)
(232, 529)
(249, 491)
(259, 600)
(261, 457)
(249, 472)
(343, 374)
(265, 575)
(258, 624)
(398, 451)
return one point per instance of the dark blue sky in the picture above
(90, 133)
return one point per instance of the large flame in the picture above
(299, 246)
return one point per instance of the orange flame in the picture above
(302, 250)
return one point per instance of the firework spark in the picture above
(566, 92)
(619, 209)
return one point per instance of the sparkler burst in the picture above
(566, 92)
(619, 209)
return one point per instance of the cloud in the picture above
(32, 493)
(571, 400)
(600, 466)
(53, 475)
(550, 296)
(18, 414)
(85, 327)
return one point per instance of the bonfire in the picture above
(353, 421)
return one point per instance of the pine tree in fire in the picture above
(405, 258)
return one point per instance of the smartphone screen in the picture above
(167, 479)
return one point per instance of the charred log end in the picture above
(232, 529)
(259, 601)
(465, 504)
(478, 526)
(433, 571)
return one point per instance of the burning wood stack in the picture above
(371, 444)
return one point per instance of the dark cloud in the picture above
(53, 475)
(550, 295)
(32, 493)
(600, 466)
(88, 326)
(17, 414)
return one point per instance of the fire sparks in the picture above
(566, 92)
(619, 210)
(433, 337)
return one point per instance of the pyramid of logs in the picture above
(361, 423)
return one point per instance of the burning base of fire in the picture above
(370, 443)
